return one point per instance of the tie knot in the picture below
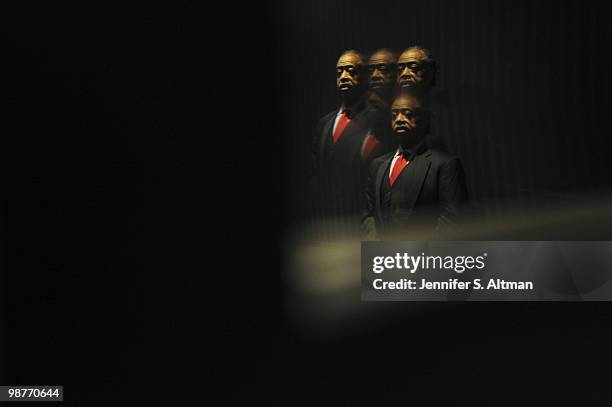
(404, 153)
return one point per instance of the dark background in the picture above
(126, 141)
(143, 206)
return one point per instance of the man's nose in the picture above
(344, 75)
(405, 72)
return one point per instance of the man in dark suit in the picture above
(414, 189)
(416, 75)
(340, 151)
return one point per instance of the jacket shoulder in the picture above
(440, 157)
(378, 161)
(328, 116)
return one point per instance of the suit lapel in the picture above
(379, 180)
(325, 136)
(328, 128)
(413, 182)
(354, 127)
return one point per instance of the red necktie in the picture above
(343, 120)
(369, 145)
(400, 163)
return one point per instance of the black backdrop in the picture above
(143, 206)
(123, 202)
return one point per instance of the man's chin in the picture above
(407, 138)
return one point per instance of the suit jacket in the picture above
(339, 170)
(430, 193)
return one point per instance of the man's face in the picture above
(412, 69)
(408, 118)
(348, 72)
(381, 67)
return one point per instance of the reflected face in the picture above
(382, 70)
(348, 72)
(412, 69)
(408, 118)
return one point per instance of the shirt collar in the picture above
(355, 108)
(410, 153)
